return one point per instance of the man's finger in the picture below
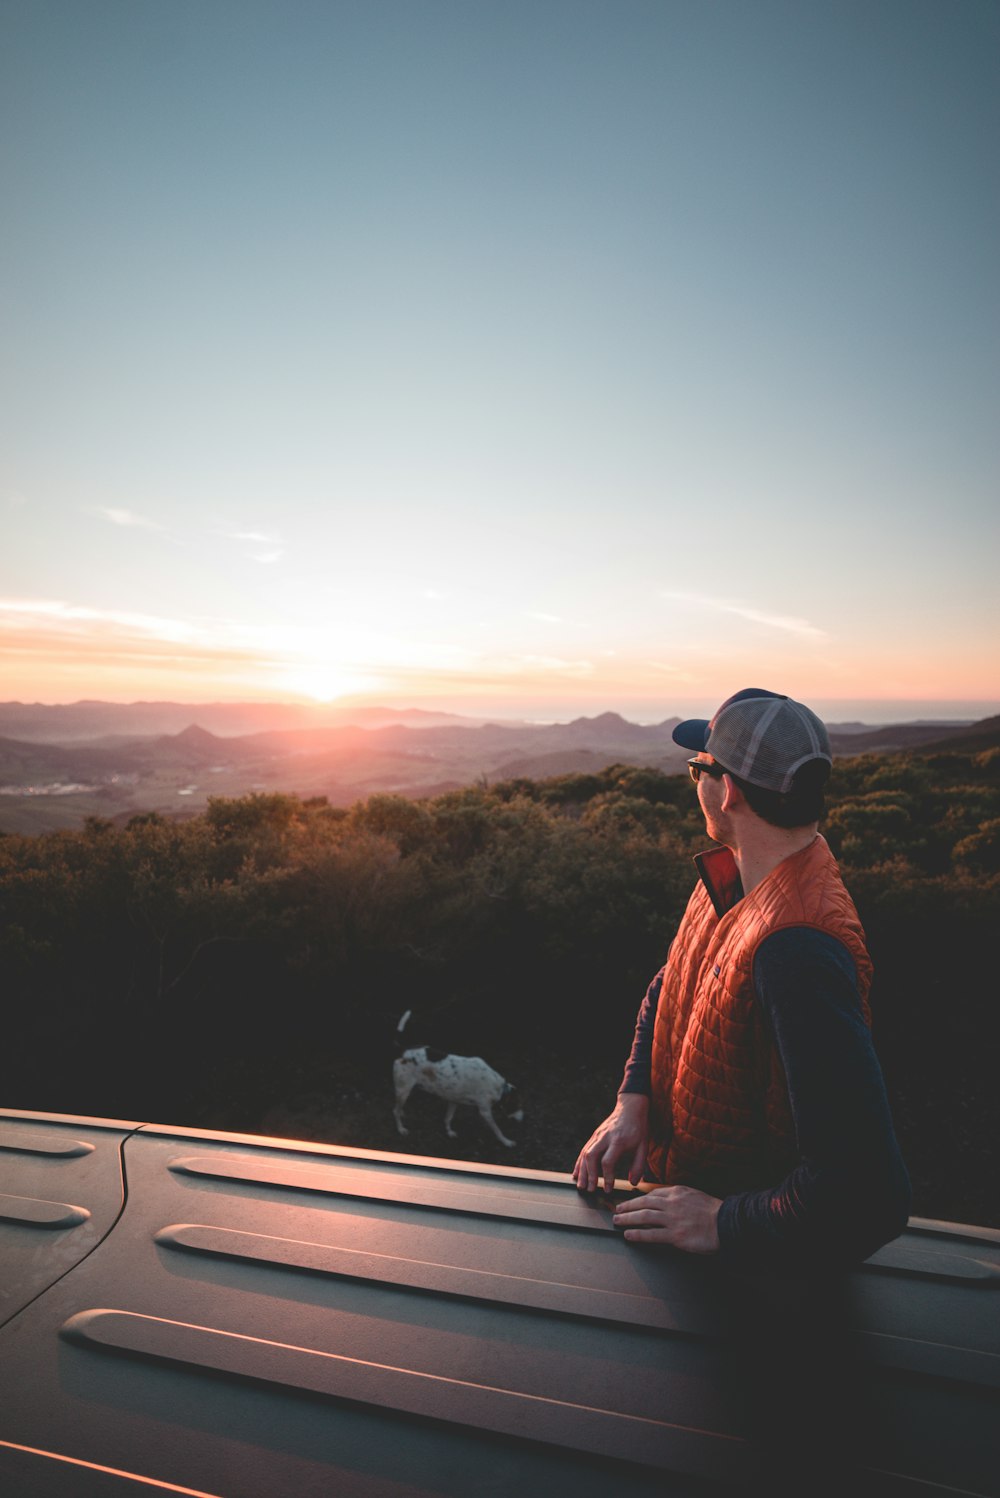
(640, 1209)
(651, 1235)
(658, 1197)
(584, 1172)
(611, 1158)
(640, 1217)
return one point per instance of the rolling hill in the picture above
(99, 770)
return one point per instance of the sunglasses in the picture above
(699, 767)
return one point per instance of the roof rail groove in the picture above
(934, 1360)
(133, 1478)
(263, 1144)
(576, 1212)
(39, 1144)
(647, 1312)
(929, 1227)
(584, 1429)
(944, 1265)
(31, 1211)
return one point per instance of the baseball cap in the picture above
(759, 736)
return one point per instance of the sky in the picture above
(525, 358)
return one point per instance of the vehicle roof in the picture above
(232, 1315)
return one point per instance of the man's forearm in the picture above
(639, 1066)
(815, 1219)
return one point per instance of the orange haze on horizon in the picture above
(69, 665)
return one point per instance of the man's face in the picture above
(711, 791)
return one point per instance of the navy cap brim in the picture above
(692, 734)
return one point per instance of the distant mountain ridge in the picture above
(890, 737)
(69, 722)
(93, 720)
(45, 783)
(345, 762)
(977, 736)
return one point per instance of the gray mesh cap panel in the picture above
(765, 740)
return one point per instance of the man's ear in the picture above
(732, 796)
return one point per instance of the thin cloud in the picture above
(554, 663)
(470, 668)
(57, 616)
(544, 618)
(254, 538)
(98, 639)
(128, 518)
(786, 622)
(252, 541)
(482, 673)
(674, 671)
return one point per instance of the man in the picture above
(753, 1095)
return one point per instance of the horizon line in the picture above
(925, 709)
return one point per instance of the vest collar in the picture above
(721, 877)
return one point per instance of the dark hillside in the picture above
(982, 735)
(891, 738)
(246, 968)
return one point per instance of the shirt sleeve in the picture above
(850, 1193)
(639, 1066)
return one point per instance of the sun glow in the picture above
(325, 683)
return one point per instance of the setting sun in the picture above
(325, 683)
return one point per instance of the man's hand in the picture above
(678, 1215)
(621, 1137)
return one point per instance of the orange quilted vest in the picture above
(720, 1117)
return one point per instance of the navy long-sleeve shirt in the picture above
(851, 1192)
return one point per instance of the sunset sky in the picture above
(532, 358)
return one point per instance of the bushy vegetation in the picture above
(148, 966)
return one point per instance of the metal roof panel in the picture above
(267, 1318)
